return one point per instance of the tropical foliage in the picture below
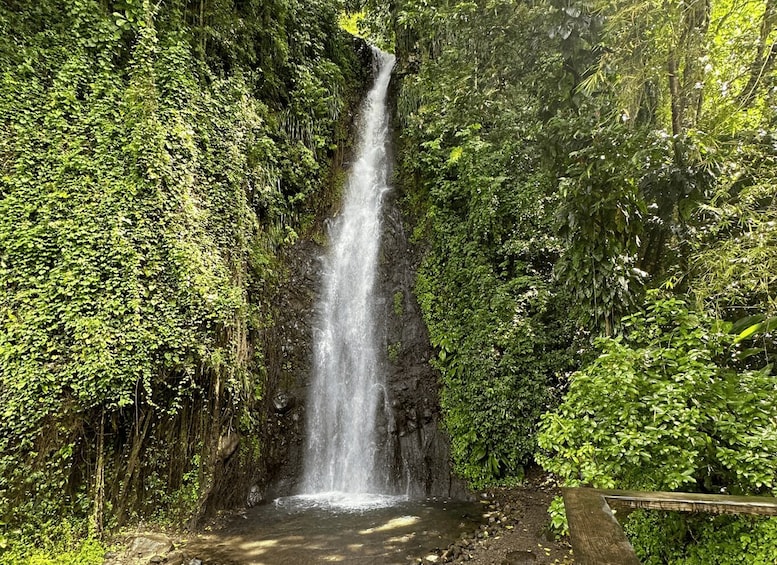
(472, 163)
(684, 418)
(595, 181)
(153, 159)
(592, 184)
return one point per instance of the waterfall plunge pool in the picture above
(336, 528)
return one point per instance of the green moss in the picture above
(399, 304)
(394, 350)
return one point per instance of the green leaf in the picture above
(755, 329)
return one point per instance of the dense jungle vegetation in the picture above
(592, 183)
(155, 158)
(595, 182)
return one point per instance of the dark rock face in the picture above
(421, 450)
(418, 449)
(289, 362)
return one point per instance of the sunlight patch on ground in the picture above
(393, 524)
(402, 539)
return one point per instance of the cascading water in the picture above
(344, 452)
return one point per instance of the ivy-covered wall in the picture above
(154, 160)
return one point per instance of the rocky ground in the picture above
(516, 533)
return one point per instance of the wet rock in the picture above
(254, 496)
(283, 402)
(149, 545)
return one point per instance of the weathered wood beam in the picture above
(692, 502)
(597, 537)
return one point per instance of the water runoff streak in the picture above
(345, 457)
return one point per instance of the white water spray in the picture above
(343, 454)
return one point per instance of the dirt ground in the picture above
(517, 532)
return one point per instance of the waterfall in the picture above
(345, 453)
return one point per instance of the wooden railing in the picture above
(597, 537)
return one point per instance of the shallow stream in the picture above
(296, 532)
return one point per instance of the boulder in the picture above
(177, 558)
(254, 497)
(148, 545)
(228, 444)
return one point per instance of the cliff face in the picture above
(420, 453)
(289, 354)
(418, 449)
(421, 449)
(156, 162)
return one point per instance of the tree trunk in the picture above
(202, 29)
(99, 480)
(765, 55)
(674, 92)
(132, 463)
